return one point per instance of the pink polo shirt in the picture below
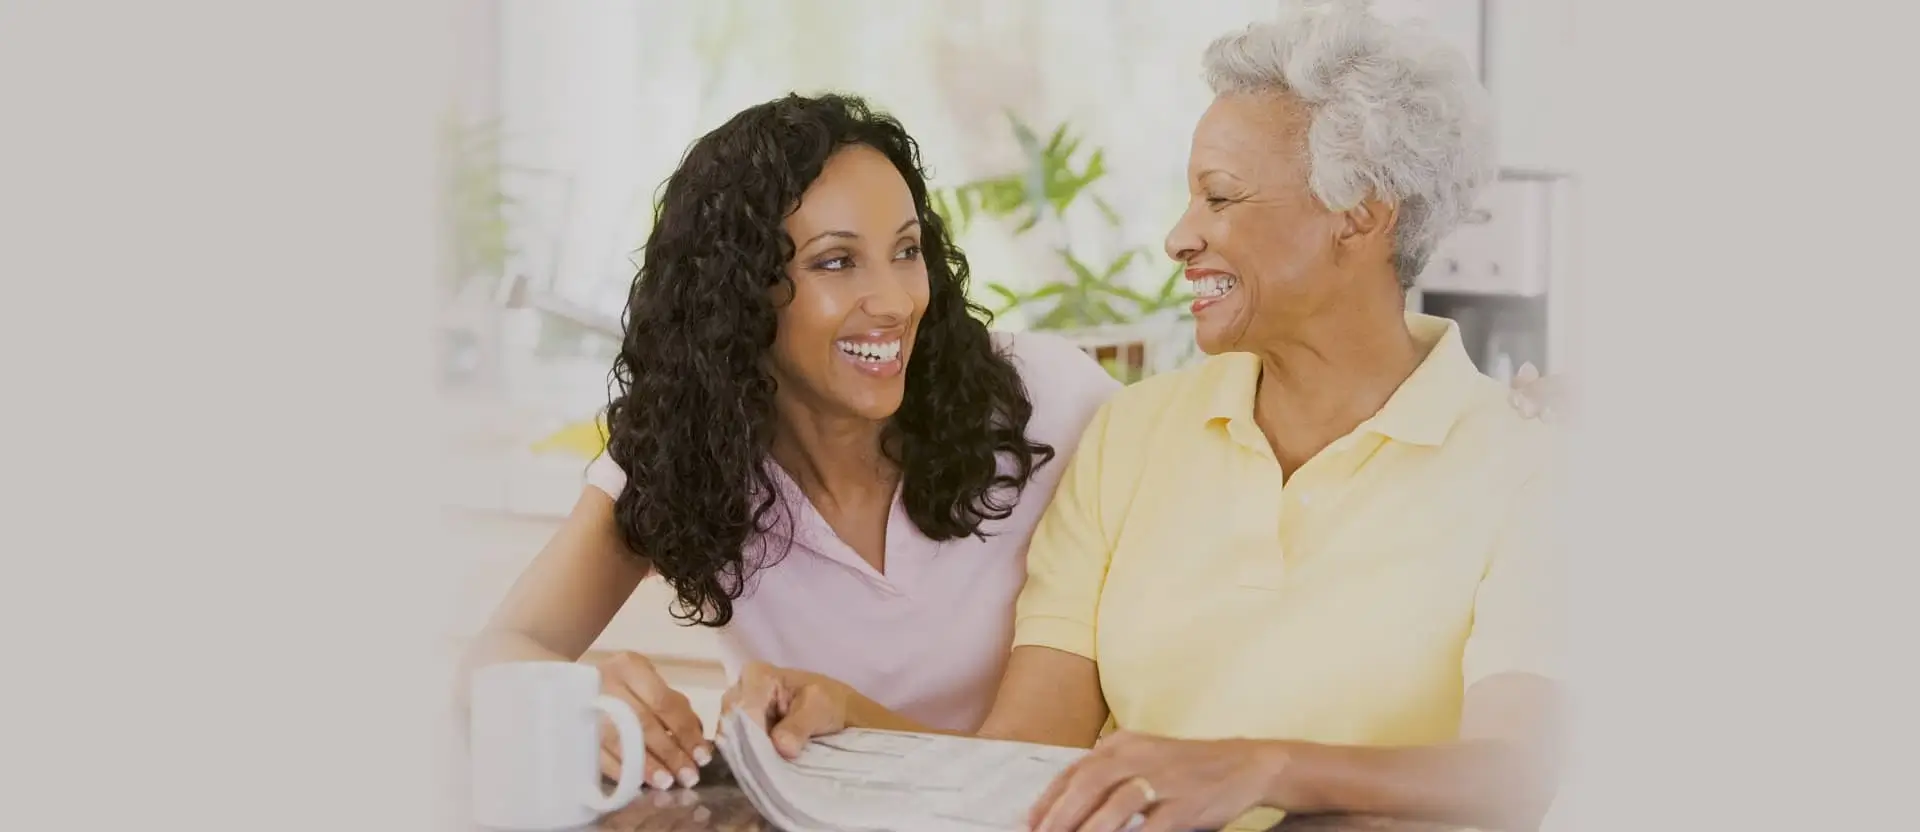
(929, 637)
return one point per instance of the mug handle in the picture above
(633, 756)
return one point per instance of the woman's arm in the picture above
(561, 604)
(1501, 774)
(567, 595)
(1048, 696)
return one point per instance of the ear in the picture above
(1368, 223)
(782, 291)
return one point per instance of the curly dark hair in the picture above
(693, 418)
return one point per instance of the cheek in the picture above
(920, 287)
(808, 320)
(1278, 253)
(1250, 242)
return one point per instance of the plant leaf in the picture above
(1059, 318)
(1083, 275)
(1054, 289)
(1059, 135)
(1145, 303)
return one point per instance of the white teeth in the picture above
(874, 352)
(1214, 286)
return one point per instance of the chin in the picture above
(1211, 341)
(874, 408)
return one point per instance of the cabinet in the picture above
(1502, 275)
(1503, 247)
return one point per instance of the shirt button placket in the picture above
(1263, 558)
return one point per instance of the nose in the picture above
(1183, 243)
(887, 300)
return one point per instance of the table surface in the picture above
(718, 804)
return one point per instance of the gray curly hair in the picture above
(1395, 113)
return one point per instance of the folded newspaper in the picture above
(862, 780)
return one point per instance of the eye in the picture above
(1217, 202)
(834, 264)
(910, 252)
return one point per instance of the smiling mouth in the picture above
(875, 358)
(1214, 287)
(1210, 288)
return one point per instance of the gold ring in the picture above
(1146, 790)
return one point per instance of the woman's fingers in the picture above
(757, 693)
(811, 713)
(663, 747)
(633, 678)
(676, 713)
(609, 765)
(655, 774)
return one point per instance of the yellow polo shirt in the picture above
(1351, 605)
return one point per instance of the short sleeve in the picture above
(1066, 385)
(605, 474)
(1067, 560)
(1518, 612)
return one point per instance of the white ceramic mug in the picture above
(535, 746)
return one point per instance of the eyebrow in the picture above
(848, 235)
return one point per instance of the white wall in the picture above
(1529, 70)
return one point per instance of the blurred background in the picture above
(1055, 132)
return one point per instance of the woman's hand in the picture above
(676, 743)
(1536, 396)
(1176, 784)
(793, 705)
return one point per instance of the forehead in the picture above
(858, 186)
(1249, 134)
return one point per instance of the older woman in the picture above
(1308, 574)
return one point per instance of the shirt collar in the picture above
(1421, 412)
(796, 520)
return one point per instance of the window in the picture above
(596, 103)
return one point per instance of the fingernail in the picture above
(662, 780)
(702, 756)
(689, 777)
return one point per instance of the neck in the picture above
(834, 459)
(1331, 373)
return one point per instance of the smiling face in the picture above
(858, 289)
(1261, 250)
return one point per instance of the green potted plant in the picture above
(1092, 303)
(476, 204)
